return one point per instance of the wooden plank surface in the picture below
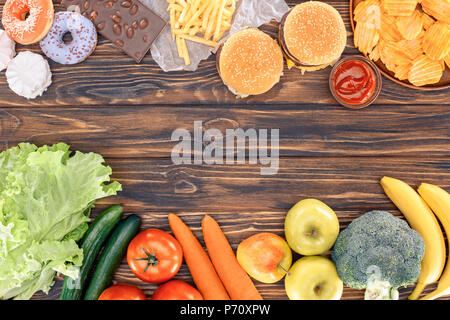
(315, 130)
(127, 112)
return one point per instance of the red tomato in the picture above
(176, 290)
(154, 256)
(122, 292)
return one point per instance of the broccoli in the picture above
(380, 253)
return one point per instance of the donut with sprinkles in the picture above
(27, 21)
(83, 43)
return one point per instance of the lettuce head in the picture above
(46, 195)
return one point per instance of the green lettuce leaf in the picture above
(46, 195)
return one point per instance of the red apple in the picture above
(266, 257)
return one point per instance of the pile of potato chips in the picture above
(412, 40)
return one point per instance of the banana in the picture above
(421, 219)
(439, 201)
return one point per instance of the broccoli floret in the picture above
(378, 252)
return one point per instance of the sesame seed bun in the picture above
(250, 62)
(313, 34)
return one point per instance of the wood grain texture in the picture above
(342, 183)
(127, 112)
(109, 77)
(317, 130)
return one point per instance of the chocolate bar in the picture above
(129, 24)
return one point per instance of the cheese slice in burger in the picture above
(312, 35)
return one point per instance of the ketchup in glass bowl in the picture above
(355, 82)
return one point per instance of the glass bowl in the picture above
(378, 82)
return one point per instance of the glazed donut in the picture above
(84, 38)
(27, 21)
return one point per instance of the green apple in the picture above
(311, 227)
(313, 278)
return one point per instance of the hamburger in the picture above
(312, 36)
(250, 62)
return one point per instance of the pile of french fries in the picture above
(202, 21)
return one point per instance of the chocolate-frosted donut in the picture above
(84, 38)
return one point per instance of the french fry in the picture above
(199, 40)
(195, 17)
(219, 20)
(212, 21)
(182, 2)
(183, 14)
(187, 59)
(179, 47)
(174, 6)
(205, 19)
(201, 21)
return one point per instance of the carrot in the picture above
(201, 268)
(235, 279)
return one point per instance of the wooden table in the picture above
(127, 112)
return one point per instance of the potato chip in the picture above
(411, 48)
(388, 62)
(385, 57)
(421, 35)
(368, 11)
(375, 54)
(412, 44)
(396, 53)
(427, 21)
(447, 60)
(410, 27)
(424, 71)
(439, 9)
(366, 37)
(388, 29)
(400, 8)
(401, 71)
(436, 41)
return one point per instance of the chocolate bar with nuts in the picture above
(129, 24)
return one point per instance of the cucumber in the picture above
(91, 244)
(112, 255)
